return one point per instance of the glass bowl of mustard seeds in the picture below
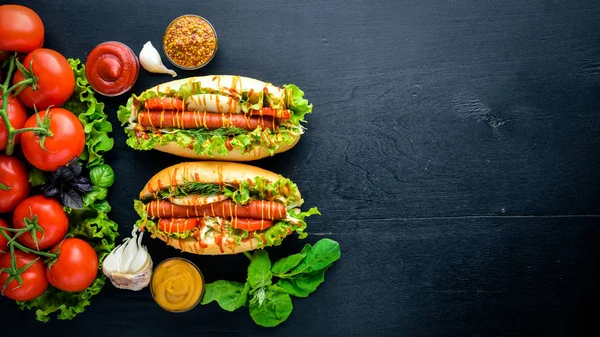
(190, 42)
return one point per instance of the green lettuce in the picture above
(91, 114)
(90, 223)
(274, 235)
(215, 142)
(297, 103)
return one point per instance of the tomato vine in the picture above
(43, 129)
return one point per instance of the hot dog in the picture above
(214, 208)
(218, 117)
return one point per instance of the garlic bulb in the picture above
(129, 265)
(151, 61)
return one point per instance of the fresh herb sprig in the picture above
(269, 302)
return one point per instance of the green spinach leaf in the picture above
(323, 253)
(269, 308)
(229, 295)
(304, 284)
(287, 263)
(259, 271)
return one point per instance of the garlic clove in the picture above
(151, 61)
(129, 266)
(135, 282)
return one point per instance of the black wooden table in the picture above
(453, 152)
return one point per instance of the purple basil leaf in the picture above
(53, 178)
(72, 199)
(50, 190)
(82, 180)
(82, 186)
(75, 167)
(64, 173)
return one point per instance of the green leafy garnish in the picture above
(229, 295)
(286, 264)
(269, 308)
(91, 222)
(102, 175)
(297, 103)
(36, 177)
(193, 187)
(91, 114)
(270, 304)
(259, 271)
(321, 255)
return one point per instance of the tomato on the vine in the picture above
(55, 79)
(66, 142)
(46, 213)
(14, 182)
(3, 240)
(21, 29)
(34, 278)
(76, 266)
(17, 115)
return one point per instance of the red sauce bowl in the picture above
(112, 68)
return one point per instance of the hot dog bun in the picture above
(209, 246)
(211, 172)
(205, 172)
(257, 152)
(282, 138)
(223, 83)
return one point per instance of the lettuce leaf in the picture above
(297, 103)
(211, 143)
(273, 236)
(91, 114)
(91, 223)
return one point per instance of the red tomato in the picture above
(21, 29)
(56, 80)
(17, 115)
(34, 278)
(3, 241)
(67, 140)
(50, 217)
(14, 183)
(76, 266)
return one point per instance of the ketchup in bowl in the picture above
(112, 68)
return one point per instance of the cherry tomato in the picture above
(76, 266)
(56, 80)
(67, 140)
(50, 217)
(3, 240)
(14, 183)
(17, 115)
(21, 29)
(34, 277)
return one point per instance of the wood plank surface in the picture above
(453, 152)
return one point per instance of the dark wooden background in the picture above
(453, 151)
